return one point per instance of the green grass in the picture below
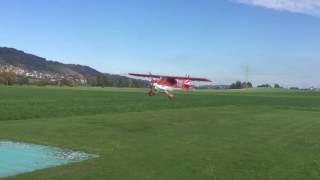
(247, 134)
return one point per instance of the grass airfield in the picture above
(239, 134)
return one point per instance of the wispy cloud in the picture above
(309, 7)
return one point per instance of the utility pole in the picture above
(247, 74)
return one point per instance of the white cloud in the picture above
(310, 7)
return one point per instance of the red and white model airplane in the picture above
(167, 84)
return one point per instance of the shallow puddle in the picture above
(16, 157)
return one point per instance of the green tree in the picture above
(277, 86)
(21, 80)
(8, 78)
(240, 85)
(265, 86)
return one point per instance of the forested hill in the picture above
(35, 69)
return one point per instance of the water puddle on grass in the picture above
(16, 157)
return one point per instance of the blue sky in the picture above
(277, 39)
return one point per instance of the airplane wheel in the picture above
(171, 96)
(150, 93)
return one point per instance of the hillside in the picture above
(36, 69)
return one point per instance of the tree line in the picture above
(104, 80)
(240, 85)
(243, 85)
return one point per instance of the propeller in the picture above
(187, 83)
(151, 81)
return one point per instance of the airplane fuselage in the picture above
(167, 86)
(163, 88)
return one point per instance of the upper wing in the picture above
(190, 78)
(174, 77)
(145, 75)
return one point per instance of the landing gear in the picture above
(151, 93)
(171, 96)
